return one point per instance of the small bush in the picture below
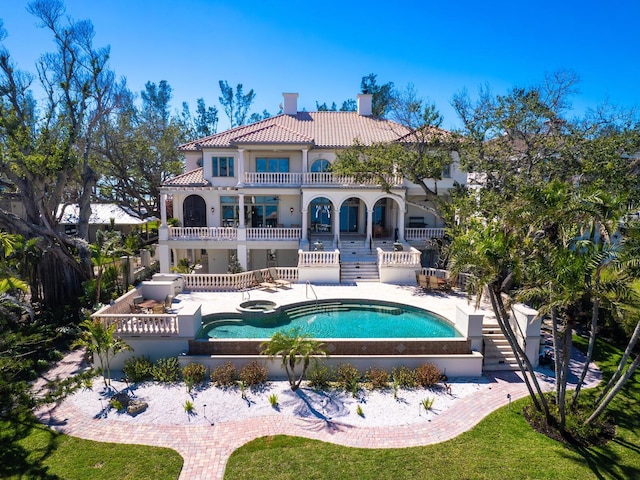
(273, 400)
(166, 370)
(224, 375)
(346, 375)
(378, 378)
(138, 369)
(193, 374)
(188, 406)
(319, 376)
(405, 377)
(253, 374)
(427, 403)
(427, 375)
(359, 410)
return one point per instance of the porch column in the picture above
(305, 223)
(401, 211)
(241, 210)
(164, 258)
(241, 165)
(163, 209)
(163, 230)
(369, 224)
(305, 160)
(242, 256)
(336, 224)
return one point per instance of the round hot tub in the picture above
(258, 306)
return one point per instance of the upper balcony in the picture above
(302, 179)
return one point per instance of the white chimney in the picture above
(290, 103)
(364, 104)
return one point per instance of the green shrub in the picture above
(359, 410)
(253, 374)
(405, 377)
(273, 400)
(166, 370)
(378, 378)
(224, 375)
(427, 403)
(138, 369)
(193, 373)
(427, 375)
(188, 406)
(346, 375)
(319, 376)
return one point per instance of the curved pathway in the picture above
(206, 449)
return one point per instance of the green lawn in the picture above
(30, 450)
(502, 446)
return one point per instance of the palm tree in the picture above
(293, 348)
(98, 339)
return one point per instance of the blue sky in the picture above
(321, 50)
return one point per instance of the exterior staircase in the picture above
(497, 352)
(358, 263)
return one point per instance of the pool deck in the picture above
(441, 303)
(206, 449)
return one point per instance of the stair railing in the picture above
(309, 286)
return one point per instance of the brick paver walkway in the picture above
(205, 449)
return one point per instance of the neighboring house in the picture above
(265, 193)
(103, 216)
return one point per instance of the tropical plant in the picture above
(252, 374)
(100, 341)
(224, 375)
(293, 349)
(166, 370)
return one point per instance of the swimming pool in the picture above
(342, 319)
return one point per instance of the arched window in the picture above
(320, 165)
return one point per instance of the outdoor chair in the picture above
(158, 309)
(423, 281)
(434, 284)
(276, 278)
(262, 283)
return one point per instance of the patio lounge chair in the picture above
(262, 283)
(276, 278)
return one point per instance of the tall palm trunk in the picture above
(614, 391)
(592, 342)
(523, 362)
(622, 363)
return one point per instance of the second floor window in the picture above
(222, 167)
(446, 171)
(272, 165)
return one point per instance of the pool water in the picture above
(343, 319)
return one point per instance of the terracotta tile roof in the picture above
(321, 129)
(193, 178)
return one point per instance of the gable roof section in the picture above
(194, 178)
(323, 129)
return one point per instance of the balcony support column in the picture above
(241, 165)
(369, 225)
(305, 224)
(241, 210)
(305, 160)
(336, 224)
(242, 256)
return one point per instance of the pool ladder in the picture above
(309, 286)
(248, 295)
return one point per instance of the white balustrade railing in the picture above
(142, 324)
(203, 233)
(423, 233)
(409, 257)
(313, 178)
(278, 233)
(220, 281)
(277, 178)
(318, 258)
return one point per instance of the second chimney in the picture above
(364, 104)
(290, 103)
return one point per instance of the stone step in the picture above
(493, 366)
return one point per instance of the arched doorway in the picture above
(350, 215)
(194, 211)
(320, 215)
